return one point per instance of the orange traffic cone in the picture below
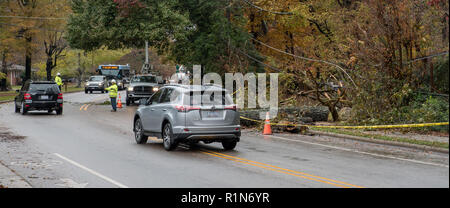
(119, 102)
(267, 129)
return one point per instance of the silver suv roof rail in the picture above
(176, 85)
(211, 84)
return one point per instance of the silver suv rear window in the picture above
(207, 98)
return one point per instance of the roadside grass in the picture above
(105, 103)
(9, 95)
(72, 88)
(385, 138)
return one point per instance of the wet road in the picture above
(89, 146)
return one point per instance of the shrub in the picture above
(429, 110)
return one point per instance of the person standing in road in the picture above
(58, 81)
(113, 95)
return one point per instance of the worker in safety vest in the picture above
(58, 81)
(113, 95)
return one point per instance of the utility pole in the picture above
(146, 52)
(80, 71)
(146, 67)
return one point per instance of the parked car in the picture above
(39, 95)
(176, 113)
(96, 83)
(141, 86)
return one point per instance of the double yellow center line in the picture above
(84, 107)
(282, 170)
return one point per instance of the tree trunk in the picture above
(49, 68)
(80, 71)
(27, 61)
(432, 77)
(3, 86)
(334, 113)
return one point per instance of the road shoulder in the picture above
(10, 179)
(378, 141)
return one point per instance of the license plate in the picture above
(44, 97)
(212, 114)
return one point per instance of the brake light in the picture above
(27, 96)
(184, 108)
(233, 107)
(60, 96)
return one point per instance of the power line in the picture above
(427, 57)
(265, 10)
(38, 18)
(307, 59)
(38, 28)
(256, 60)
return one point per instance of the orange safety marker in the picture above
(267, 129)
(119, 102)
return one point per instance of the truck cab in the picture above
(142, 86)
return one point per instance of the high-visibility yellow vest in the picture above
(112, 91)
(58, 81)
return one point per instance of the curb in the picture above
(10, 179)
(377, 141)
(8, 101)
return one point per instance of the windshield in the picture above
(44, 88)
(113, 73)
(96, 79)
(150, 79)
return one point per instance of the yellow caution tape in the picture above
(237, 91)
(356, 127)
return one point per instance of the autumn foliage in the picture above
(376, 57)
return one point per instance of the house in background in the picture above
(14, 72)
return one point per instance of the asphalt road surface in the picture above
(89, 146)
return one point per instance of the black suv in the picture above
(39, 95)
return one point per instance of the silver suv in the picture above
(96, 83)
(188, 114)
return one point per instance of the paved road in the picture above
(91, 147)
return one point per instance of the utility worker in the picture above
(58, 81)
(113, 95)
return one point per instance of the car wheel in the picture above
(169, 142)
(229, 145)
(128, 102)
(85, 92)
(139, 132)
(24, 110)
(50, 111)
(59, 111)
